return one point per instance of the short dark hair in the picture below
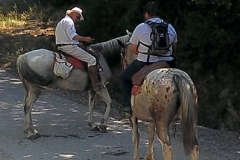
(151, 8)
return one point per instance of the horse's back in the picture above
(39, 58)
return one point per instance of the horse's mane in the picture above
(111, 49)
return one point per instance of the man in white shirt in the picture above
(67, 40)
(140, 40)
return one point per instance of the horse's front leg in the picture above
(135, 137)
(30, 98)
(91, 103)
(107, 99)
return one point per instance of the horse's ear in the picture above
(128, 32)
(121, 43)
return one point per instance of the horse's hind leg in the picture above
(151, 133)
(163, 136)
(135, 137)
(106, 97)
(31, 94)
(195, 153)
(195, 149)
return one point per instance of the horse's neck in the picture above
(111, 46)
(129, 54)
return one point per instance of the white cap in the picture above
(78, 10)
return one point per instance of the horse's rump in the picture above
(157, 91)
(32, 65)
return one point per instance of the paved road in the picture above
(65, 135)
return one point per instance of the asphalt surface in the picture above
(65, 135)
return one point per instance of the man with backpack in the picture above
(153, 40)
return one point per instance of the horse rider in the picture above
(67, 40)
(142, 34)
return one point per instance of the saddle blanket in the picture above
(75, 62)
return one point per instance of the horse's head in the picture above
(127, 56)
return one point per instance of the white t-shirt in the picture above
(142, 33)
(65, 31)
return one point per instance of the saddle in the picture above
(138, 78)
(76, 62)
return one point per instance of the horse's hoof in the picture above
(90, 124)
(34, 137)
(95, 128)
(149, 158)
(103, 128)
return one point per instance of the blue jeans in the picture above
(126, 81)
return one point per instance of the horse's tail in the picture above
(188, 104)
(27, 74)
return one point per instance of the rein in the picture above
(124, 62)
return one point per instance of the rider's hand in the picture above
(89, 39)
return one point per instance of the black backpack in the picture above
(160, 38)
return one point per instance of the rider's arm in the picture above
(83, 39)
(134, 40)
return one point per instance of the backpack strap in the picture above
(146, 46)
(149, 23)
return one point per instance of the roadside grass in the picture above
(15, 19)
(21, 31)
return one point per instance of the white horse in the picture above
(35, 69)
(164, 95)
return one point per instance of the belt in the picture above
(60, 45)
